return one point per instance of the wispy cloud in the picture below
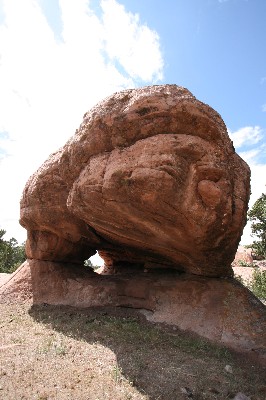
(258, 186)
(47, 84)
(246, 136)
(263, 107)
(130, 47)
(250, 155)
(251, 146)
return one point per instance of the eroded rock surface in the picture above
(16, 287)
(150, 178)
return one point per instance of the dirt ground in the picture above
(247, 272)
(61, 353)
(4, 278)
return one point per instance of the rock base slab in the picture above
(221, 310)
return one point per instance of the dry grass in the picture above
(62, 353)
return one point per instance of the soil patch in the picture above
(52, 352)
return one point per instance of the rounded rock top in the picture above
(150, 179)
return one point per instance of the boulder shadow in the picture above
(161, 362)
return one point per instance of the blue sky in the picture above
(216, 49)
(59, 57)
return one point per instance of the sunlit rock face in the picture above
(150, 179)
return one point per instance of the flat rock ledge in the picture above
(221, 310)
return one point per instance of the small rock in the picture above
(229, 369)
(241, 396)
(213, 390)
(187, 391)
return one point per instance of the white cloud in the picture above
(47, 84)
(258, 186)
(128, 42)
(264, 107)
(250, 144)
(248, 135)
(258, 171)
(250, 155)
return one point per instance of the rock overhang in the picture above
(151, 176)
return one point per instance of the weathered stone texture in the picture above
(151, 180)
(150, 177)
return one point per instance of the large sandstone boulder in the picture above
(150, 178)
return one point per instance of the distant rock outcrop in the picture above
(150, 178)
(243, 257)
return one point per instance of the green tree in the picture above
(88, 263)
(11, 254)
(258, 284)
(257, 216)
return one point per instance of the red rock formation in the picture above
(219, 309)
(150, 177)
(151, 180)
(243, 256)
(16, 287)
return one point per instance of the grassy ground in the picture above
(61, 353)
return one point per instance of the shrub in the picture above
(11, 254)
(88, 263)
(257, 216)
(258, 284)
(242, 263)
